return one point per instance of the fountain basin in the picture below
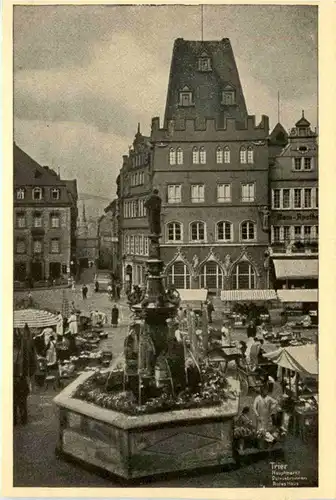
(145, 445)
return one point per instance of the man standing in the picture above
(210, 310)
(84, 291)
(115, 316)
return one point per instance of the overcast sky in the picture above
(86, 75)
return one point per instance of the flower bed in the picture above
(213, 390)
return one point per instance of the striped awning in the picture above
(193, 295)
(247, 295)
(296, 268)
(298, 295)
(35, 318)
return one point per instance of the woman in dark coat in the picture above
(115, 316)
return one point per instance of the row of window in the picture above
(140, 159)
(186, 97)
(243, 276)
(199, 155)
(21, 220)
(135, 208)
(136, 244)
(137, 179)
(174, 193)
(303, 163)
(286, 234)
(198, 231)
(294, 198)
(37, 193)
(21, 246)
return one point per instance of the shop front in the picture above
(294, 273)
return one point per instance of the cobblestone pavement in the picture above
(35, 462)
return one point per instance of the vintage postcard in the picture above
(167, 326)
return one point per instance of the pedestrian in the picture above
(59, 325)
(30, 299)
(264, 407)
(73, 326)
(96, 288)
(94, 318)
(115, 316)
(210, 310)
(51, 353)
(254, 353)
(251, 329)
(84, 291)
(73, 284)
(118, 287)
(109, 291)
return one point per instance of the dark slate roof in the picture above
(71, 186)
(278, 136)
(206, 86)
(27, 172)
(303, 122)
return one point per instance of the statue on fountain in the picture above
(153, 206)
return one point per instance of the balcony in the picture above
(309, 246)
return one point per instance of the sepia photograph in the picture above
(165, 246)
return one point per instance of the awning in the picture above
(247, 295)
(298, 295)
(296, 268)
(193, 295)
(302, 359)
(35, 318)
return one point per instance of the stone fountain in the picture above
(134, 446)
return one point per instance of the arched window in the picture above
(247, 231)
(37, 193)
(219, 155)
(250, 155)
(202, 155)
(211, 276)
(179, 156)
(179, 275)
(243, 276)
(174, 231)
(172, 156)
(242, 155)
(224, 231)
(227, 155)
(195, 155)
(197, 231)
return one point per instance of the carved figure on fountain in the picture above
(153, 206)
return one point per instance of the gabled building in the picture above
(134, 185)
(45, 214)
(294, 209)
(108, 235)
(210, 165)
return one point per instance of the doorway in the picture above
(55, 270)
(37, 271)
(20, 271)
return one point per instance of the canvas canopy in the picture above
(298, 295)
(35, 318)
(247, 295)
(195, 296)
(301, 359)
(296, 268)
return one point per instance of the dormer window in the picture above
(37, 193)
(20, 194)
(204, 63)
(186, 97)
(229, 96)
(55, 194)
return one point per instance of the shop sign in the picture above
(299, 216)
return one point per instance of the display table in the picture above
(145, 445)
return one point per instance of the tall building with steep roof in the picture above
(210, 164)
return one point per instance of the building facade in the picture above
(210, 165)
(134, 185)
(87, 241)
(294, 209)
(45, 213)
(108, 232)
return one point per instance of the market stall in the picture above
(36, 319)
(299, 366)
(194, 298)
(300, 306)
(240, 305)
